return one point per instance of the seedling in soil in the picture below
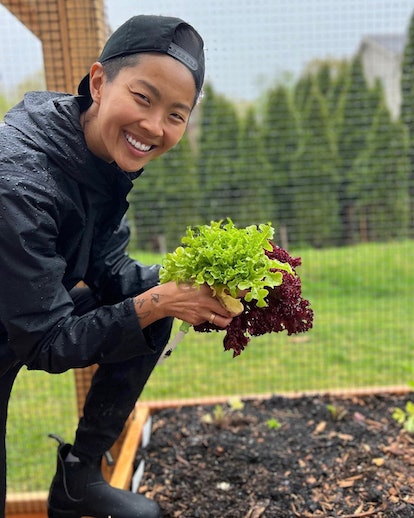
(216, 417)
(405, 417)
(221, 414)
(273, 424)
(337, 412)
(236, 403)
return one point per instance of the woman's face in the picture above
(142, 113)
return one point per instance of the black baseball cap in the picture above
(152, 33)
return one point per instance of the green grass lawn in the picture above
(362, 336)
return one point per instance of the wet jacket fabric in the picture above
(61, 221)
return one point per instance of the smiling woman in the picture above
(67, 164)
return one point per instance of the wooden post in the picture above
(72, 33)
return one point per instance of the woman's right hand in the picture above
(186, 302)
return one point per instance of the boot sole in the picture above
(55, 513)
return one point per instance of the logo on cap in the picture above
(183, 56)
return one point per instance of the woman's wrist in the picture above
(148, 306)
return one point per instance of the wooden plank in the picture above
(25, 11)
(160, 404)
(122, 474)
(83, 379)
(30, 504)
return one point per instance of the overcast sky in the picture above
(249, 44)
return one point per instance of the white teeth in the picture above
(136, 144)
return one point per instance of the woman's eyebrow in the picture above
(150, 86)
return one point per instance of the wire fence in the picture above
(306, 122)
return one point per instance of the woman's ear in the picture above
(96, 81)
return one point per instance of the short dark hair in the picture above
(113, 66)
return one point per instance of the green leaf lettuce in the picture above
(228, 259)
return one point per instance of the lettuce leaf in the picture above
(228, 259)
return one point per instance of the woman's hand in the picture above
(194, 305)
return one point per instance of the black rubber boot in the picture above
(79, 489)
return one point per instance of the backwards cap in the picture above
(163, 34)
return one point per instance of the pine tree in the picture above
(315, 178)
(281, 141)
(335, 96)
(218, 156)
(358, 110)
(253, 181)
(407, 110)
(302, 92)
(383, 170)
(407, 81)
(323, 78)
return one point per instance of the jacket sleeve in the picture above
(114, 276)
(36, 309)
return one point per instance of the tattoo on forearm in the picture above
(155, 297)
(139, 302)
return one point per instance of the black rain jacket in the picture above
(61, 221)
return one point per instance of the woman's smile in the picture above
(136, 144)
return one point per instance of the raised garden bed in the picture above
(299, 455)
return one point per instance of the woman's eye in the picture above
(142, 97)
(178, 117)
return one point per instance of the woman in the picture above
(67, 164)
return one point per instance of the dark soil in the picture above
(331, 457)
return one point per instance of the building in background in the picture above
(381, 56)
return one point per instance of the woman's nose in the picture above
(153, 124)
